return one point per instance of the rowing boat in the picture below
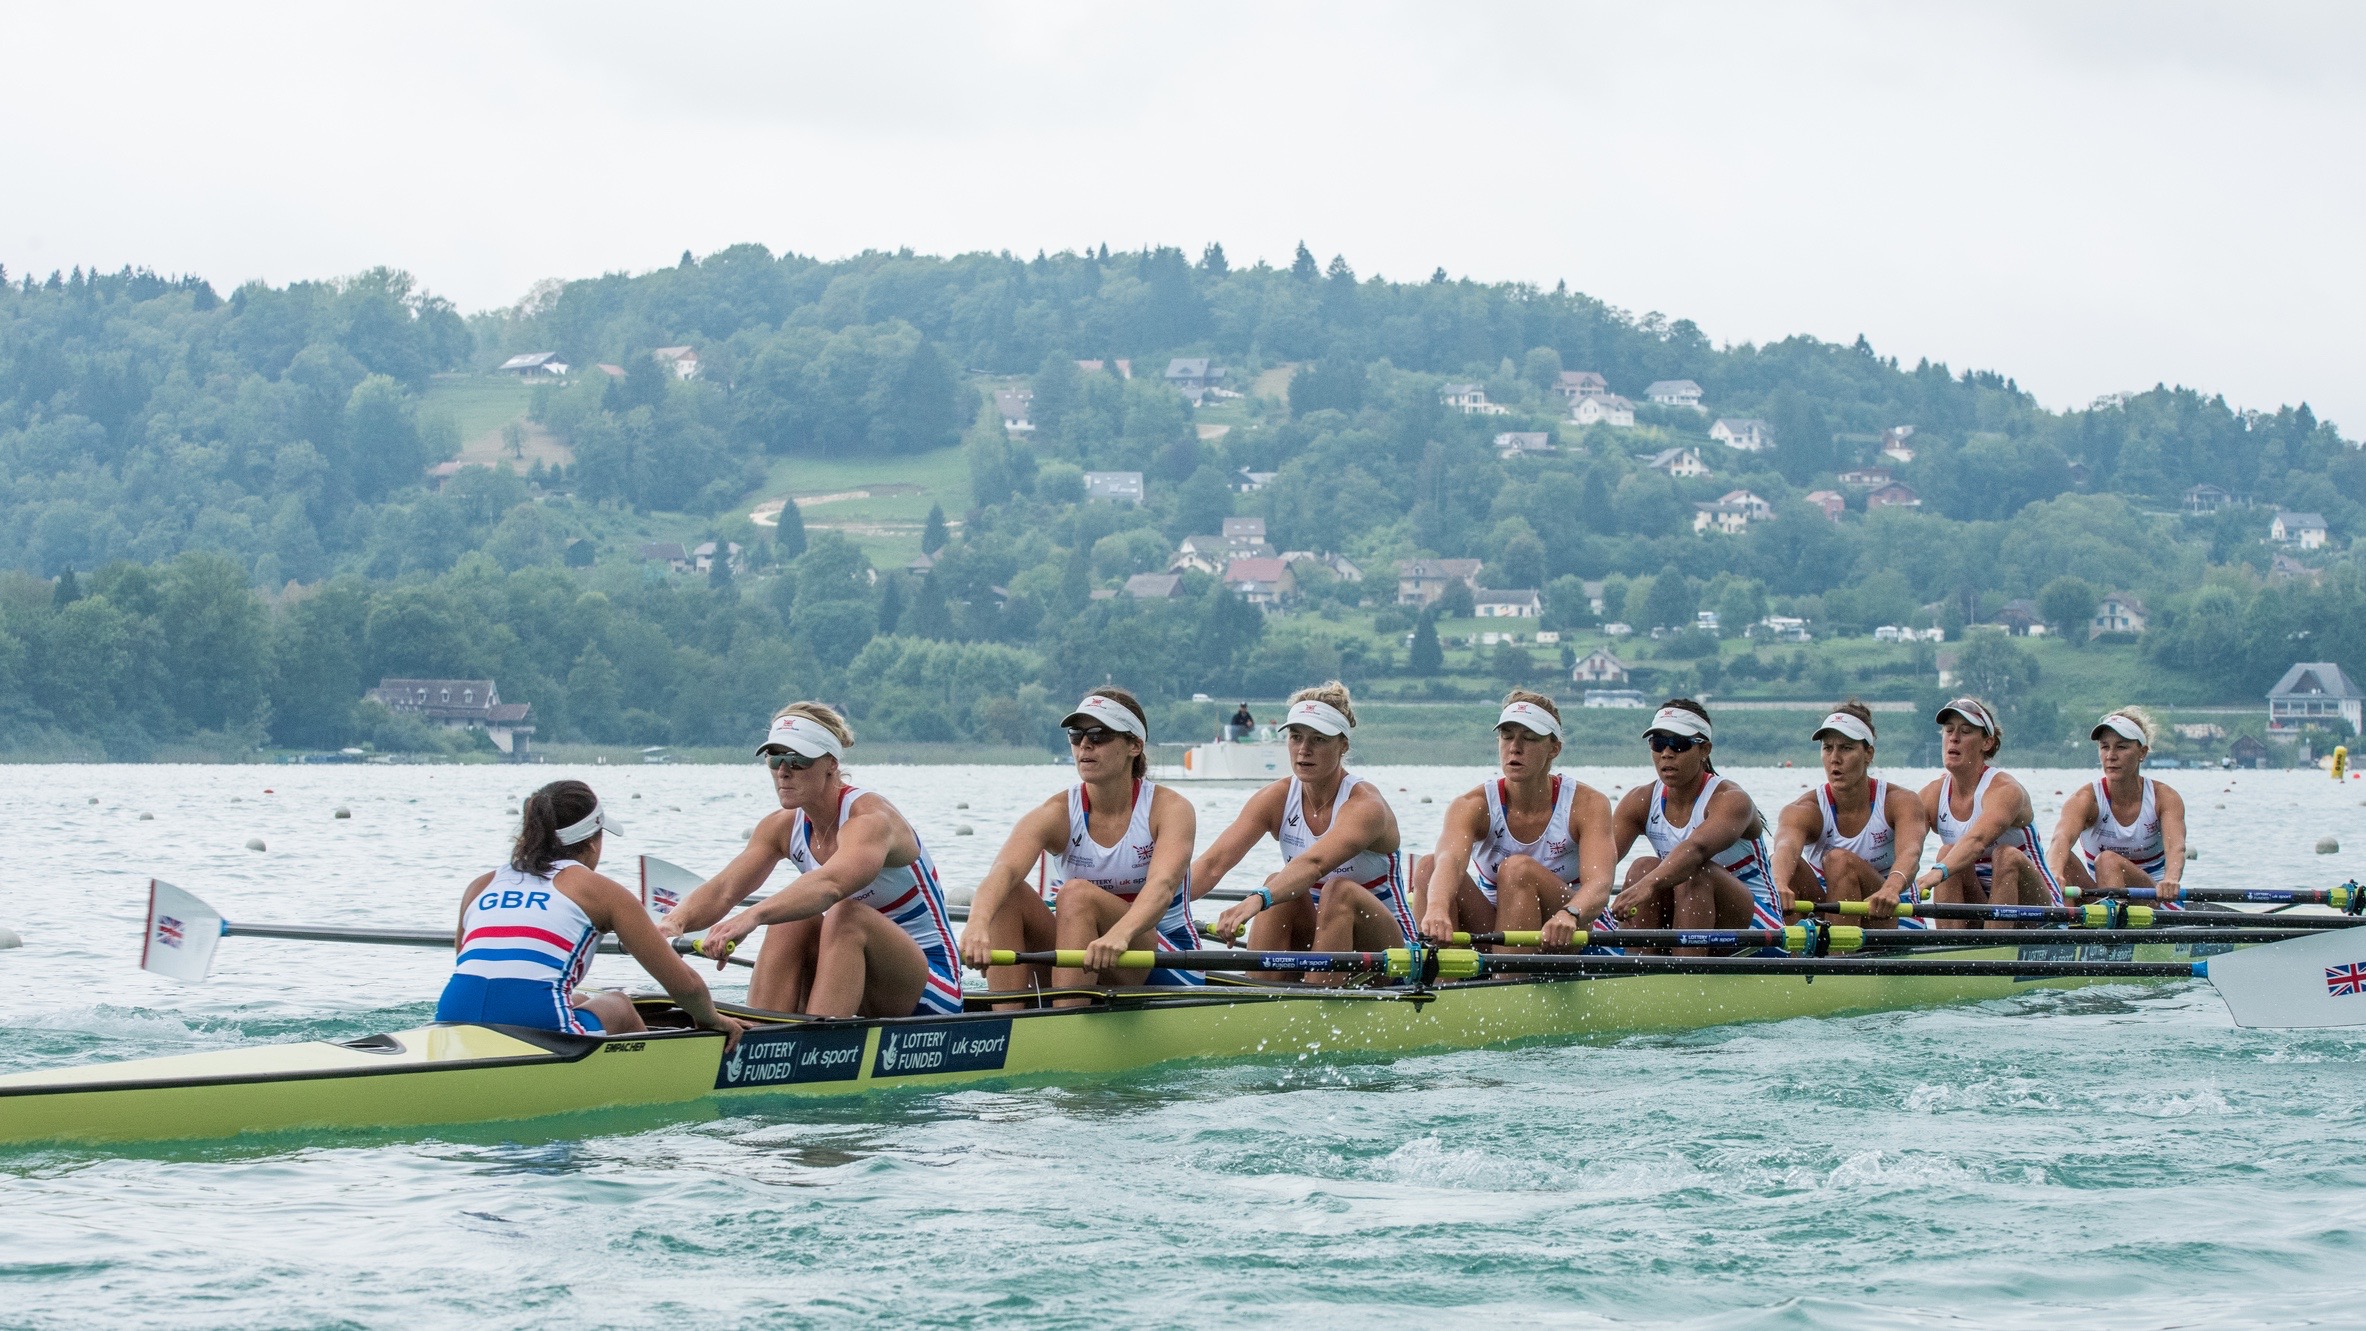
(451, 1075)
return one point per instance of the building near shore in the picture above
(460, 704)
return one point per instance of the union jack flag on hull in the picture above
(2346, 980)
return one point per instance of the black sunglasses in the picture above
(790, 761)
(1096, 736)
(1671, 743)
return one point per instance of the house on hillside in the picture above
(1244, 529)
(683, 361)
(1208, 554)
(1519, 443)
(1246, 481)
(1680, 462)
(921, 565)
(1599, 666)
(1723, 518)
(1118, 487)
(669, 553)
(1894, 447)
(1831, 502)
(2284, 568)
(1675, 393)
(1338, 566)
(612, 371)
(2019, 618)
(1519, 603)
(1016, 406)
(1192, 373)
(535, 366)
(1745, 433)
(460, 704)
(2247, 751)
(1263, 583)
(2314, 693)
(1423, 581)
(1155, 586)
(703, 558)
(1125, 368)
(1576, 384)
(1893, 495)
(2118, 614)
(2206, 498)
(1758, 509)
(2306, 530)
(1470, 400)
(1604, 409)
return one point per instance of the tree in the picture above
(1803, 436)
(1334, 383)
(2067, 604)
(932, 533)
(1302, 265)
(595, 696)
(66, 592)
(1671, 601)
(1511, 663)
(1521, 561)
(1541, 367)
(1995, 669)
(1426, 658)
(1456, 601)
(1201, 504)
(789, 536)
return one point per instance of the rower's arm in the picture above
(2078, 814)
(1909, 828)
(1257, 819)
(1174, 825)
(1353, 830)
(2170, 807)
(2001, 809)
(1449, 863)
(1727, 819)
(713, 899)
(1800, 822)
(864, 842)
(614, 910)
(475, 886)
(1043, 827)
(1590, 821)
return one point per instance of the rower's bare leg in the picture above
(1351, 919)
(2074, 874)
(1022, 924)
(1087, 911)
(1959, 889)
(783, 978)
(1801, 879)
(867, 966)
(2116, 872)
(1712, 899)
(1288, 927)
(615, 1011)
(2015, 881)
(1660, 913)
(1524, 892)
(1847, 877)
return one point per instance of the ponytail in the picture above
(559, 804)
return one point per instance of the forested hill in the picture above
(197, 488)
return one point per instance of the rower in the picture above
(1124, 850)
(1710, 869)
(1989, 855)
(2094, 845)
(863, 930)
(1528, 850)
(1853, 838)
(1341, 887)
(528, 930)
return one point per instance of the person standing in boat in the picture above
(1988, 849)
(862, 931)
(2094, 845)
(1854, 838)
(528, 930)
(1528, 850)
(1242, 725)
(1341, 887)
(1123, 846)
(1709, 869)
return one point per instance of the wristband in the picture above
(1569, 908)
(1265, 896)
(1942, 871)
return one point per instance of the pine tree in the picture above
(1303, 267)
(1427, 657)
(790, 535)
(891, 602)
(1212, 260)
(932, 536)
(67, 592)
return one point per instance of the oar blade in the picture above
(2319, 980)
(664, 884)
(182, 934)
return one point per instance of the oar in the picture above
(2347, 897)
(2096, 916)
(1848, 938)
(183, 932)
(1073, 959)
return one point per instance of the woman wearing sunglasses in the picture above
(1124, 851)
(1710, 867)
(1528, 850)
(1854, 838)
(2094, 847)
(1341, 887)
(1988, 849)
(862, 931)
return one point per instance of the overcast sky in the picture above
(2086, 197)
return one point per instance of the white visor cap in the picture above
(1107, 713)
(1318, 716)
(1677, 721)
(802, 735)
(2123, 726)
(1529, 717)
(595, 822)
(1971, 711)
(1847, 727)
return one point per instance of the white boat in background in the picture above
(1265, 758)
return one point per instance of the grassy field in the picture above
(880, 503)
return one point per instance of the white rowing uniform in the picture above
(1122, 870)
(2023, 838)
(2140, 842)
(1745, 859)
(524, 946)
(1379, 871)
(1874, 843)
(911, 897)
(1554, 849)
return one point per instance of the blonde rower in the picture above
(862, 931)
(2123, 829)
(1989, 855)
(1341, 888)
(1854, 838)
(1530, 849)
(1124, 850)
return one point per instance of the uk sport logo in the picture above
(2344, 981)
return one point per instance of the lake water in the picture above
(2102, 1157)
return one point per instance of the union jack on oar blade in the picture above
(2346, 979)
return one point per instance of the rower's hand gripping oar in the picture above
(183, 932)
